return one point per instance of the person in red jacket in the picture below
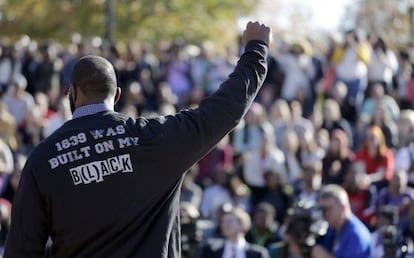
(377, 158)
(362, 196)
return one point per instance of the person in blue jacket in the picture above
(347, 236)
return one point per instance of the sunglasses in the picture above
(326, 209)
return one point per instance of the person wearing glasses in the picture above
(347, 236)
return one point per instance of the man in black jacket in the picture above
(107, 185)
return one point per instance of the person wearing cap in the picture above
(108, 185)
(386, 217)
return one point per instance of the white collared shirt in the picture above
(239, 247)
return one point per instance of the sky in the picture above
(326, 14)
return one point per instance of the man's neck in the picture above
(90, 109)
(340, 224)
(236, 239)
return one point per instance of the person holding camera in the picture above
(347, 236)
(387, 240)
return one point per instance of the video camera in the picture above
(305, 224)
(393, 242)
(191, 235)
(391, 236)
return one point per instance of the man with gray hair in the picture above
(347, 236)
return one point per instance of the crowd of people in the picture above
(342, 118)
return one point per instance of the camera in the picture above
(305, 224)
(393, 242)
(190, 239)
(191, 235)
(392, 237)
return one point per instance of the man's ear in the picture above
(117, 94)
(343, 208)
(73, 92)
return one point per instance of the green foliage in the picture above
(146, 20)
(385, 18)
(51, 19)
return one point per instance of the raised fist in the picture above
(257, 31)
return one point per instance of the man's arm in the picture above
(348, 246)
(190, 134)
(319, 252)
(28, 231)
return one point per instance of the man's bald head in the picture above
(94, 75)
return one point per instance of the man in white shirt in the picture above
(234, 225)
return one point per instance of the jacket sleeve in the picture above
(28, 231)
(185, 137)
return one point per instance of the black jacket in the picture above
(106, 185)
